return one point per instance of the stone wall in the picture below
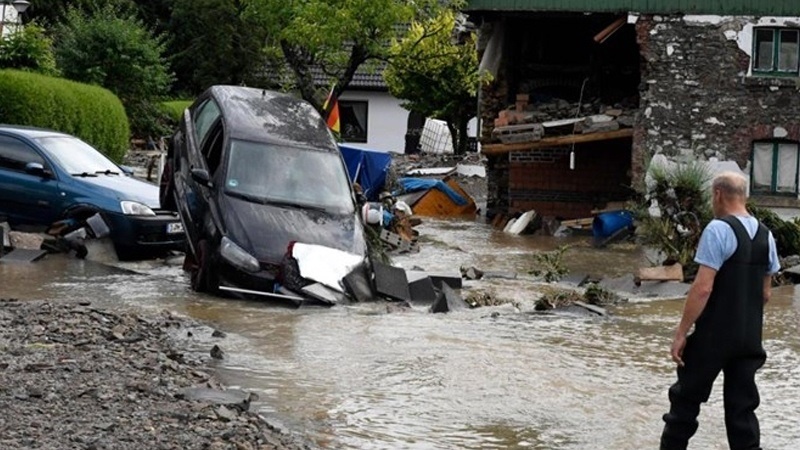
(697, 100)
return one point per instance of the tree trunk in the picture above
(301, 66)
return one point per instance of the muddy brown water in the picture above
(496, 377)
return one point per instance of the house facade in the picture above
(587, 93)
(369, 116)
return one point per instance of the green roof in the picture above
(722, 7)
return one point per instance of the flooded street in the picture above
(497, 377)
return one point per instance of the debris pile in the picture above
(530, 121)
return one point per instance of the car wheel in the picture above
(202, 275)
(166, 187)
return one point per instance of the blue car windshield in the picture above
(281, 174)
(75, 156)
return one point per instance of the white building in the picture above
(9, 15)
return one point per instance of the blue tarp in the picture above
(424, 184)
(368, 168)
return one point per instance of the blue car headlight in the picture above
(237, 256)
(130, 208)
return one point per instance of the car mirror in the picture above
(34, 168)
(127, 170)
(201, 176)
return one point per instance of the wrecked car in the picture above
(251, 172)
(48, 176)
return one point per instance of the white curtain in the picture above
(787, 168)
(762, 165)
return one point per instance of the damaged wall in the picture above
(699, 99)
(551, 84)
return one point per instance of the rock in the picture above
(217, 352)
(25, 241)
(472, 273)
(226, 414)
(218, 334)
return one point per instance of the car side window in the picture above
(15, 154)
(206, 116)
(212, 150)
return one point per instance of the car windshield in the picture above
(77, 157)
(288, 175)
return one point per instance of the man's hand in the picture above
(678, 344)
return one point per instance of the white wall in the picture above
(386, 123)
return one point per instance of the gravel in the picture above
(76, 376)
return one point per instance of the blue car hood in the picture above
(265, 231)
(125, 188)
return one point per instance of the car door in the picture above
(194, 194)
(26, 197)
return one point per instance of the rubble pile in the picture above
(76, 376)
(528, 121)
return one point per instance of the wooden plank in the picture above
(501, 149)
(577, 222)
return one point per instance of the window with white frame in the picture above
(774, 167)
(776, 51)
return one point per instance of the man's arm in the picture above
(767, 288)
(695, 304)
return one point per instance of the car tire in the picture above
(166, 187)
(203, 276)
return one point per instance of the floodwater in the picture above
(372, 377)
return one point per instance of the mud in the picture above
(76, 376)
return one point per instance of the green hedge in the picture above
(92, 113)
(175, 108)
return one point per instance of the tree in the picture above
(53, 12)
(436, 75)
(336, 36)
(215, 42)
(28, 49)
(112, 48)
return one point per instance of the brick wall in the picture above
(542, 180)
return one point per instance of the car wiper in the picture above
(107, 172)
(291, 204)
(248, 197)
(83, 174)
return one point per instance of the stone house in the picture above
(587, 93)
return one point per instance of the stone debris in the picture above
(67, 380)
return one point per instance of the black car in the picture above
(251, 171)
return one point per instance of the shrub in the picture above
(684, 209)
(174, 108)
(29, 49)
(110, 47)
(92, 113)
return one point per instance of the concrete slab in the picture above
(662, 273)
(575, 279)
(448, 300)
(439, 279)
(358, 286)
(391, 281)
(22, 255)
(471, 170)
(660, 289)
(432, 171)
(422, 290)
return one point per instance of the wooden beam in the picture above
(555, 141)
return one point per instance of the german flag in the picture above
(331, 110)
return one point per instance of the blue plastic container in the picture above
(607, 223)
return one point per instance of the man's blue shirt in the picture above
(718, 243)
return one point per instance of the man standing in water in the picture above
(737, 259)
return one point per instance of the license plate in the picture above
(174, 228)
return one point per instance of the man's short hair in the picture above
(731, 184)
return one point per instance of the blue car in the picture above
(47, 176)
